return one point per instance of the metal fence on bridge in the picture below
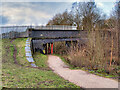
(21, 31)
(56, 27)
(14, 31)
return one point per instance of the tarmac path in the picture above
(79, 77)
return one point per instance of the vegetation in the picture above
(18, 74)
(100, 52)
(93, 55)
(85, 15)
(62, 19)
(19, 44)
(96, 63)
(40, 60)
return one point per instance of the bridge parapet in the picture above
(54, 27)
(42, 34)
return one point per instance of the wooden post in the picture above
(51, 48)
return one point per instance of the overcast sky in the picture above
(38, 13)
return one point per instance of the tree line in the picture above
(87, 16)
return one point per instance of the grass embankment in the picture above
(40, 60)
(18, 75)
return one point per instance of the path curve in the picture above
(79, 77)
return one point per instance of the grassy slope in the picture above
(20, 45)
(40, 60)
(18, 75)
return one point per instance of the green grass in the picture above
(21, 57)
(40, 60)
(21, 76)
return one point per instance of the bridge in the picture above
(43, 37)
(47, 37)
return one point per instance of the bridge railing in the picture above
(21, 31)
(56, 27)
(13, 31)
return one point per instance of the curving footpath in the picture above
(79, 77)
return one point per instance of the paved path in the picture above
(79, 77)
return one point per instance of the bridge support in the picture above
(48, 48)
(51, 48)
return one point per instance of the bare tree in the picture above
(118, 22)
(87, 15)
(83, 14)
(62, 19)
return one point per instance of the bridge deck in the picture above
(37, 33)
(57, 33)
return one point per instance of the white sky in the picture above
(57, 0)
(39, 13)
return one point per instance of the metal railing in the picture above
(56, 27)
(13, 31)
(21, 31)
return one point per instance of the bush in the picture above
(60, 48)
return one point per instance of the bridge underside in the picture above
(44, 41)
(41, 43)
